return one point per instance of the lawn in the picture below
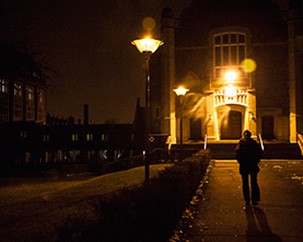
(34, 208)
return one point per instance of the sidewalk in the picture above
(279, 217)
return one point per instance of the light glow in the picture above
(147, 44)
(230, 76)
(181, 91)
(230, 91)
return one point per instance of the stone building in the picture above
(243, 64)
(22, 88)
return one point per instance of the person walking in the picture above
(248, 154)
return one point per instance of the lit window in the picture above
(41, 96)
(17, 89)
(3, 86)
(89, 137)
(30, 93)
(104, 137)
(23, 134)
(229, 50)
(74, 137)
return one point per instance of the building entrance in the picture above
(268, 127)
(231, 125)
(195, 129)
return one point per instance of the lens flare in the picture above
(249, 65)
(149, 24)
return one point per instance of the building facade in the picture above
(22, 88)
(243, 64)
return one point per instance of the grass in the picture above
(34, 209)
(146, 214)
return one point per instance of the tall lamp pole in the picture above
(180, 92)
(147, 46)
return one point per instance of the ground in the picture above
(35, 208)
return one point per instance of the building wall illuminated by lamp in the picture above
(244, 74)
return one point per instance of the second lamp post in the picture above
(181, 91)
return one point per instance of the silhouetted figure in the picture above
(248, 155)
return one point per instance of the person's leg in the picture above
(245, 188)
(255, 191)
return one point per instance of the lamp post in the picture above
(181, 91)
(147, 46)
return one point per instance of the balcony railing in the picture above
(231, 95)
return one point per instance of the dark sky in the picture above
(85, 45)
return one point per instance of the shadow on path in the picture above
(258, 228)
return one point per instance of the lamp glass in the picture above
(181, 91)
(147, 44)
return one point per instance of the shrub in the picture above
(146, 213)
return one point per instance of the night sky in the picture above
(84, 48)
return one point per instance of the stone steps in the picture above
(227, 150)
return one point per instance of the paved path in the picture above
(279, 217)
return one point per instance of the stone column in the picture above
(295, 59)
(168, 124)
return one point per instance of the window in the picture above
(104, 137)
(89, 137)
(3, 86)
(18, 102)
(4, 101)
(41, 96)
(229, 50)
(18, 89)
(30, 93)
(46, 137)
(30, 103)
(41, 104)
(75, 137)
(23, 134)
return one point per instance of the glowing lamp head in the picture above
(181, 91)
(147, 44)
(230, 76)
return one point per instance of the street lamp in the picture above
(181, 91)
(147, 46)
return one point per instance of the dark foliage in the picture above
(143, 213)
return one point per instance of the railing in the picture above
(300, 142)
(234, 96)
(261, 142)
(205, 142)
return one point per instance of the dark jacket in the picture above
(248, 154)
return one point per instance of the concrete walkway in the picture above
(222, 216)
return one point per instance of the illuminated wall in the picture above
(262, 46)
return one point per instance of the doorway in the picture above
(231, 125)
(268, 127)
(195, 129)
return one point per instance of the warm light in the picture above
(147, 44)
(181, 91)
(230, 91)
(230, 76)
